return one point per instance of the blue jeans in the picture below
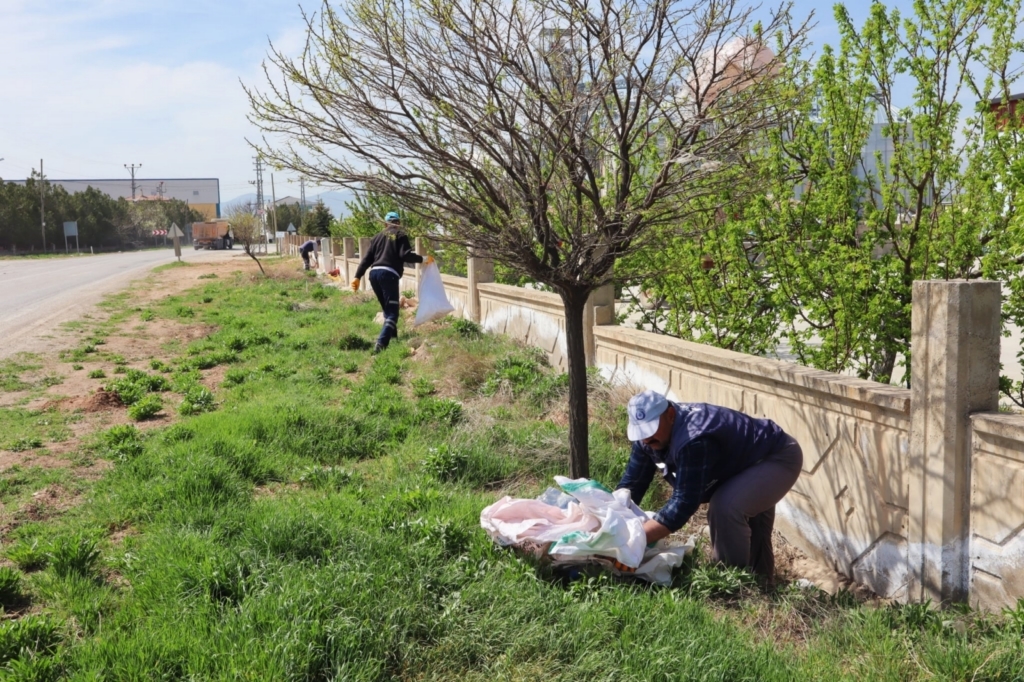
(385, 286)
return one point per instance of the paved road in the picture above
(38, 294)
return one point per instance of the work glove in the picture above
(428, 260)
(355, 285)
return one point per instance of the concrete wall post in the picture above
(418, 267)
(348, 252)
(954, 371)
(364, 248)
(326, 255)
(478, 270)
(600, 310)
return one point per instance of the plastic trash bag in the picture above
(433, 303)
(583, 522)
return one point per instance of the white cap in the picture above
(644, 414)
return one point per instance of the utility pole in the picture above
(302, 201)
(131, 169)
(273, 200)
(260, 208)
(42, 200)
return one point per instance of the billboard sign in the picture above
(71, 229)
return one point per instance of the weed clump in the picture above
(25, 443)
(26, 639)
(466, 328)
(211, 275)
(97, 374)
(445, 463)
(326, 477)
(422, 387)
(146, 408)
(146, 315)
(522, 374)
(135, 385)
(354, 342)
(123, 441)
(444, 412)
(184, 311)
(198, 399)
(74, 556)
(10, 587)
(28, 556)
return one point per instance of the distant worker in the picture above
(309, 249)
(741, 465)
(386, 258)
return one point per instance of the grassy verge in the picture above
(317, 517)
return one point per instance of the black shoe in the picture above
(377, 349)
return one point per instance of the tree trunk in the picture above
(579, 454)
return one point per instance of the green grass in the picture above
(324, 524)
(22, 429)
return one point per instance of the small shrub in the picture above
(198, 399)
(422, 387)
(146, 408)
(211, 275)
(322, 376)
(207, 299)
(73, 556)
(350, 367)
(10, 587)
(89, 348)
(118, 360)
(157, 365)
(354, 342)
(409, 293)
(445, 463)
(319, 294)
(77, 366)
(184, 311)
(97, 374)
(146, 315)
(466, 328)
(25, 443)
(120, 369)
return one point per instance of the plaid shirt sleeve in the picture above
(694, 465)
(639, 473)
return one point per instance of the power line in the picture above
(131, 169)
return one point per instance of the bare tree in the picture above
(556, 136)
(246, 228)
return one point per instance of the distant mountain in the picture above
(335, 201)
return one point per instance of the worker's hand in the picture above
(355, 285)
(428, 260)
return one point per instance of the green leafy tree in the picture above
(318, 221)
(822, 258)
(285, 215)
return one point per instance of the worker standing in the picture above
(307, 249)
(386, 258)
(742, 466)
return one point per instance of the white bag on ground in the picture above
(585, 523)
(433, 303)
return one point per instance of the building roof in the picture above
(192, 190)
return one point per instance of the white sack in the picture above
(433, 303)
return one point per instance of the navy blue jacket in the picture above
(389, 249)
(708, 445)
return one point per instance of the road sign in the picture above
(176, 231)
(291, 229)
(71, 229)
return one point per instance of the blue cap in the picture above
(644, 414)
(392, 217)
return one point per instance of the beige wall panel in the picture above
(694, 389)
(997, 498)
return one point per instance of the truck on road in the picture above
(212, 235)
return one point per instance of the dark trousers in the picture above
(385, 286)
(305, 260)
(741, 514)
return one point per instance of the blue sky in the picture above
(91, 85)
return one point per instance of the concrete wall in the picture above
(917, 494)
(997, 510)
